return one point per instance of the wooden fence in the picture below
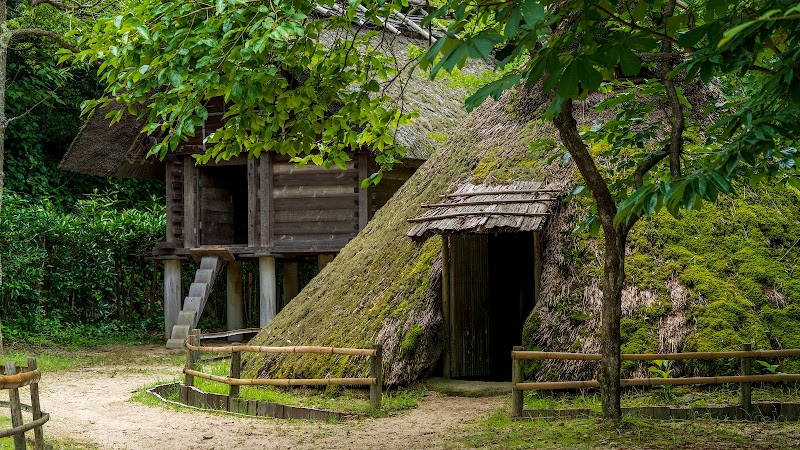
(12, 379)
(519, 385)
(234, 381)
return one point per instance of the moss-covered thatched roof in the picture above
(708, 281)
(118, 150)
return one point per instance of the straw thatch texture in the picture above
(385, 288)
(108, 150)
(685, 292)
(471, 208)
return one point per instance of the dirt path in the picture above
(93, 406)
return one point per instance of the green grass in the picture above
(59, 359)
(676, 396)
(354, 401)
(501, 432)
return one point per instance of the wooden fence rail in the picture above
(193, 349)
(12, 379)
(519, 385)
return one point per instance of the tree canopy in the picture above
(294, 82)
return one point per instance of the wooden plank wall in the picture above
(313, 208)
(390, 183)
(174, 197)
(469, 306)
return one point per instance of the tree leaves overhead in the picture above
(303, 86)
(627, 51)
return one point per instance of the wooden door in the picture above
(470, 354)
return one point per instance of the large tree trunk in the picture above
(614, 265)
(613, 282)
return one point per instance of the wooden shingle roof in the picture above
(479, 209)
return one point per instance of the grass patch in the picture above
(676, 396)
(59, 359)
(500, 431)
(340, 399)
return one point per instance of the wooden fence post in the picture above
(236, 372)
(16, 408)
(192, 339)
(376, 371)
(517, 376)
(38, 432)
(744, 391)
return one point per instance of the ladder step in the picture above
(180, 332)
(209, 262)
(175, 343)
(197, 290)
(187, 317)
(192, 304)
(203, 275)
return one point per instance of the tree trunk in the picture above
(614, 261)
(613, 282)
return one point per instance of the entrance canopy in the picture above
(480, 209)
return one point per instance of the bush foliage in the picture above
(64, 272)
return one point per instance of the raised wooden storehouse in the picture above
(491, 269)
(265, 209)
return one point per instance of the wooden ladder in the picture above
(211, 260)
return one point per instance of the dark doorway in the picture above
(223, 205)
(492, 292)
(511, 298)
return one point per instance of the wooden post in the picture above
(172, 294)
(190, 187)
(235, 305)
(291, 282)
(192, 339)
(446, 305)
(363, 193)
(268, 305)
(16, 408)
(517, 376)
(376, 371)
(36, 407)
(324, 260)
(236, 372)
(744, 391)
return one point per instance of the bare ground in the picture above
(93, 406)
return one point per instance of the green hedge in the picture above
(64, 272)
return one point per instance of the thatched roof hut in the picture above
(120, 150)
(685, 291)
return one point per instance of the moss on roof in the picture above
(711, 280)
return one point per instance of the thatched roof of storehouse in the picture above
(684, 291)
(120, 150)
(480, 209)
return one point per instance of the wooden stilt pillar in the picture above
(235, 310)
(291, 282)
(323, 260)
(268, 305)
(172, 294)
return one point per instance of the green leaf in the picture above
(533, 12)
(629, 63)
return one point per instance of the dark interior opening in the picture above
(223, 205)
(511, 296)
